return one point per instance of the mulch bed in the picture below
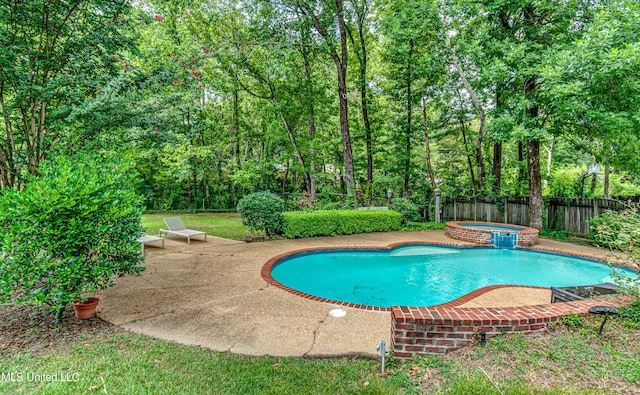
(35, 330)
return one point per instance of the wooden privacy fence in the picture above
(561, 213)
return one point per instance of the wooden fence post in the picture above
(506, 210)
(475, 208)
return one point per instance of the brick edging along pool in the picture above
(417, 331)
(464, 230)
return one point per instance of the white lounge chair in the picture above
(176, 227)
(144, 239)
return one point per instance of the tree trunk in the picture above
(535, 184)
(365, 106)
(341, 66)
(464, 139)
(361, 54)
(497, 167)
(235, 129)
(497, 152)
(478, 105)
(533, 166)
(607, 193)
(312, 152)
(365, 111)
(296, 150)
(284, 180)
(549, 157)
(521, 172)
(312, 120)
(341, 62)
(426, 141)
(427, 149)
(533, 146)
(407, 141)
(7, 168)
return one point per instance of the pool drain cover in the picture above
(337, 313)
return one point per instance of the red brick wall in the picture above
(417, 331)
(527, 237)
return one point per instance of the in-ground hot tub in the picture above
(480, 232)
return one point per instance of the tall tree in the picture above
(479, 107)
(410, 33)
(54, 56)
(332, 14)
(593, 83)
(359, 43)
(530, 29)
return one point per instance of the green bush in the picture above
(620, 230)
(617, 230)
(409, 211)
(261, 212)
(555, 234)
(338, 222)
(69, 232)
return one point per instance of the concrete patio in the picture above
(212, 294)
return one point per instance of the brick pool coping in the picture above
(417, 331)
(526, 236)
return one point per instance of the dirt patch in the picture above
(35, 330)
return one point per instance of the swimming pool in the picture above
(426, 275)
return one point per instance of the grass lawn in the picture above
(136, 364)
(93, 356)
(226, 225)
(229, 225)
(97, 357)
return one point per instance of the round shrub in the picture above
(261, 212)
(69, 232)
(410, 212)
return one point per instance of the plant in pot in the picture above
(68, 232)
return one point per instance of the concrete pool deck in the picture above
(212, 294)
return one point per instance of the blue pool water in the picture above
(499, 228)
(420, 275)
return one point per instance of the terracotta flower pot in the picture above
(86, 309)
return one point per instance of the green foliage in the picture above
(573, 321)
(409, 211)
(128, 363)
(592, 82)
(418, 226)
(565, 182)
(338, 222)
(56, 61)
(261, 212)
(328, 205)
(620, 231)
(555, 234)
(632, 311)
(69, 231)
(617, 230)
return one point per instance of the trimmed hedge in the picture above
(338, 222)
